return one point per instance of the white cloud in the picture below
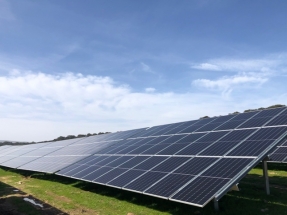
(250, 73)
(271, 63)
(207, 66)
(36, 105)
(150, 90)
(39, 106)
(227, 84)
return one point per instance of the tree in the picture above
(204, 117)
(81, 135)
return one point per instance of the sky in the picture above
(78, 67)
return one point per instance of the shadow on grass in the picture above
(12, 203)
(252, 198)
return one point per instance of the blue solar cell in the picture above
(191, 138)
(213, 136)
(179, 128)
(112, 149)
(270, 112)
(250, 148)
(225, 144)
(196, 147)
(99, 172)
(281, 150)
(261, 118)
(238, 135)
(89, 159)
(139, 149)
(143, 141)
(193, 148)
(236, 121)
(145, 181)
(171, 149)
(195, 165)
(197, 125)
(68, 169)
(155, 149)
(169, 128)
(119, 161)
(215, 123)
(150, 163)
(126, 149)
(126, 178)
(167, 186)
(131, 141)
(158, 140)
(170, 164)
(173, 139)
(278, 157)
(284, 143)
(92, 160)
(200, 190)
(227, 167)
(271, 133)
(88, 170)
(152, 131)
(255, 122)
(134, 161)
(75, 170)
(129, 134)
(281, 119)
(107, 160)
(109, 176)
(219, 148)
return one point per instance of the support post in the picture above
(265, 175)
(216, 205)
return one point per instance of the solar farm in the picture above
(193, 162)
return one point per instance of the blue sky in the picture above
(72, 67)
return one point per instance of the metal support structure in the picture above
(265, 175)
(216, 205)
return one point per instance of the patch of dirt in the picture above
(8, 206)
(9, 194)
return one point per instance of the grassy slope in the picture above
(77, 197)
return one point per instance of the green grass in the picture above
(78, 197)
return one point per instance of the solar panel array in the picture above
(190, 162)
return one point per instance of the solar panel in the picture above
(236, 121)
(200, 191)
(279, 154)
(215, 123)
(168, 185)
(190, 162)
(259, 141)
(261, 118)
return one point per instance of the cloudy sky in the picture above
(72, 67)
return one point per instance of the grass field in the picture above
(62, 195)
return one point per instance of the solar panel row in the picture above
(189, 162)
